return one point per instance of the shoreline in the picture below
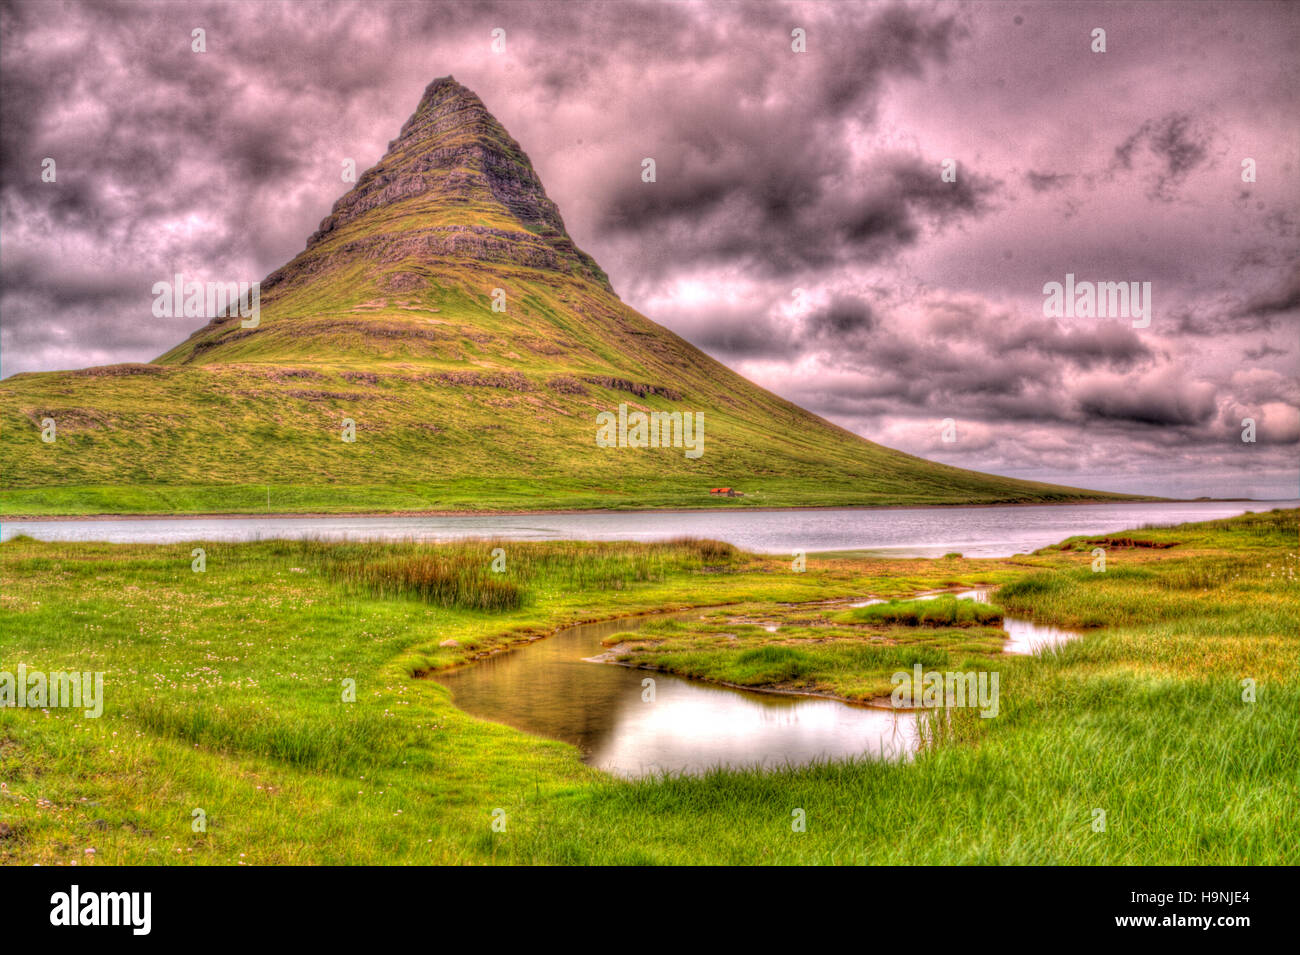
(542, 512)
(875, 703)
(605, 657)
(609, 657)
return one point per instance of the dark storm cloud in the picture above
(1168, 400)
(66, 284)
(737, 331)
(775, 220)
(1047, 181)
(773, 185)
(991, 365)
(1108, 343)
(1263, 351)
(1275, 305)
(746, 330)
(1281, 300)
(1104, 343)
(1000, 374)
(1176, 142)
(845, 317)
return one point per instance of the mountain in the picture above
(387, 319)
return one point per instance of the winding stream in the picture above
(1024, 636)
(553, 688)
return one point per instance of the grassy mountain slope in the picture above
(386, 319)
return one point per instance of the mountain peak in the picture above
(445, 90)
(448, 106)
(454, 185)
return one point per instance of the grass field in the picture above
(223, 693)
(487, 495)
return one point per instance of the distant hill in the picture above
(387, 319)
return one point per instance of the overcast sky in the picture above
(799, 228)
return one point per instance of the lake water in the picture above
(903, 532)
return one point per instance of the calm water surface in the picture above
(554, 689)
(903, 532)
(551, 689)
(1025, 636)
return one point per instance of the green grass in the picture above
(224, 692)
(482, 495)
(849, 654)
(942, 611)
(433, 578)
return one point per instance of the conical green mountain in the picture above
(443, 310)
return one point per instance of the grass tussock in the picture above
(942, 611)
(335, 741)
(442, 581)
(709, 551)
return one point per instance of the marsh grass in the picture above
(776, 664)
(222, 691)
(445, 581)
(942, 611)
(807, 652)
(335, 742)
(462, 574)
